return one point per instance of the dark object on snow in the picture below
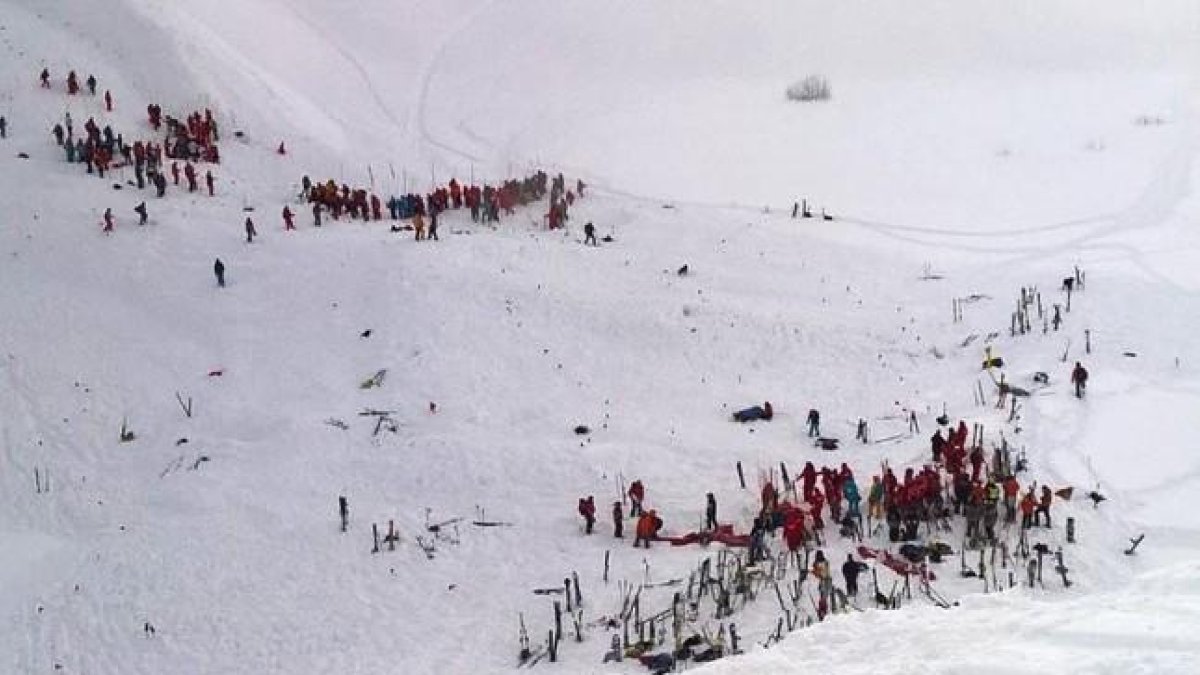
(22, 155)
(365, 334)
(180, 442)
(582, 430)
(1041, 378)
(827, 443)
(1130, 354)
(607, 239)
(682, 271)
(1096, 498)
(763, 412)
(219, 270)
(1135, 541)
(996, 362)
(248, 209)
(913, 553)
(1068, 284)
(1065, 493)
(117, 186)
(943, 420)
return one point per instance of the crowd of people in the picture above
(487, 203)
(184, 144)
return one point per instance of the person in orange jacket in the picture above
(648, 525)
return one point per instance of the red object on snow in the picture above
(723, 535)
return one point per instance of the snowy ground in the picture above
(994, 148)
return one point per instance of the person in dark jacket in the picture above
(618, 517)
(850, 571)
(1079, 377)
(763, 412)
(219, 270)
(250, 231)
(140, 209)
(710, 512)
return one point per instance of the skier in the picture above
(1079, 377)
(72, 83)
(1057, 320)
(160, 184)
(637, 492)
(648, 526)
(820, 571)
(209, 181)
(287, 219)
(589, 234)
(45, 78)
(108, 220)
(1011, 490)
(4, 127)
(814, 423)
(853, 498)
(189, 172)
(140, 209)
(91, 84)
(1043, 506)
(250, 231)
(936, 445)
(809, 475)
(58, 133)
(1028, 505)
(219, 270)
(587, 509)
(316, 214)
(175, 172)
(875, 499)
(344, 512)
(108, 104)
(710, 512)
(433, 224)
(281, 150)
(418, 226)
(850, 571)
(618, 518)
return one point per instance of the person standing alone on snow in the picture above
(710, 512)
(814, 423)
(219, 270)
(589, 235)
(587, 509)
(250, 231)
(1079, 377)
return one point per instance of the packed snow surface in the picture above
(970, 148)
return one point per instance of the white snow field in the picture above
(970, 148)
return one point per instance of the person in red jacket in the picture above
(1011, 490)
(809, 475)
(1028, 505)
(769, 497)
(817, 503)
(288, 224)
(587, 509)
(637, 492)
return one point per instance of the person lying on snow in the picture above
(763, 412)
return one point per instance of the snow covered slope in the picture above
(994, 146)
